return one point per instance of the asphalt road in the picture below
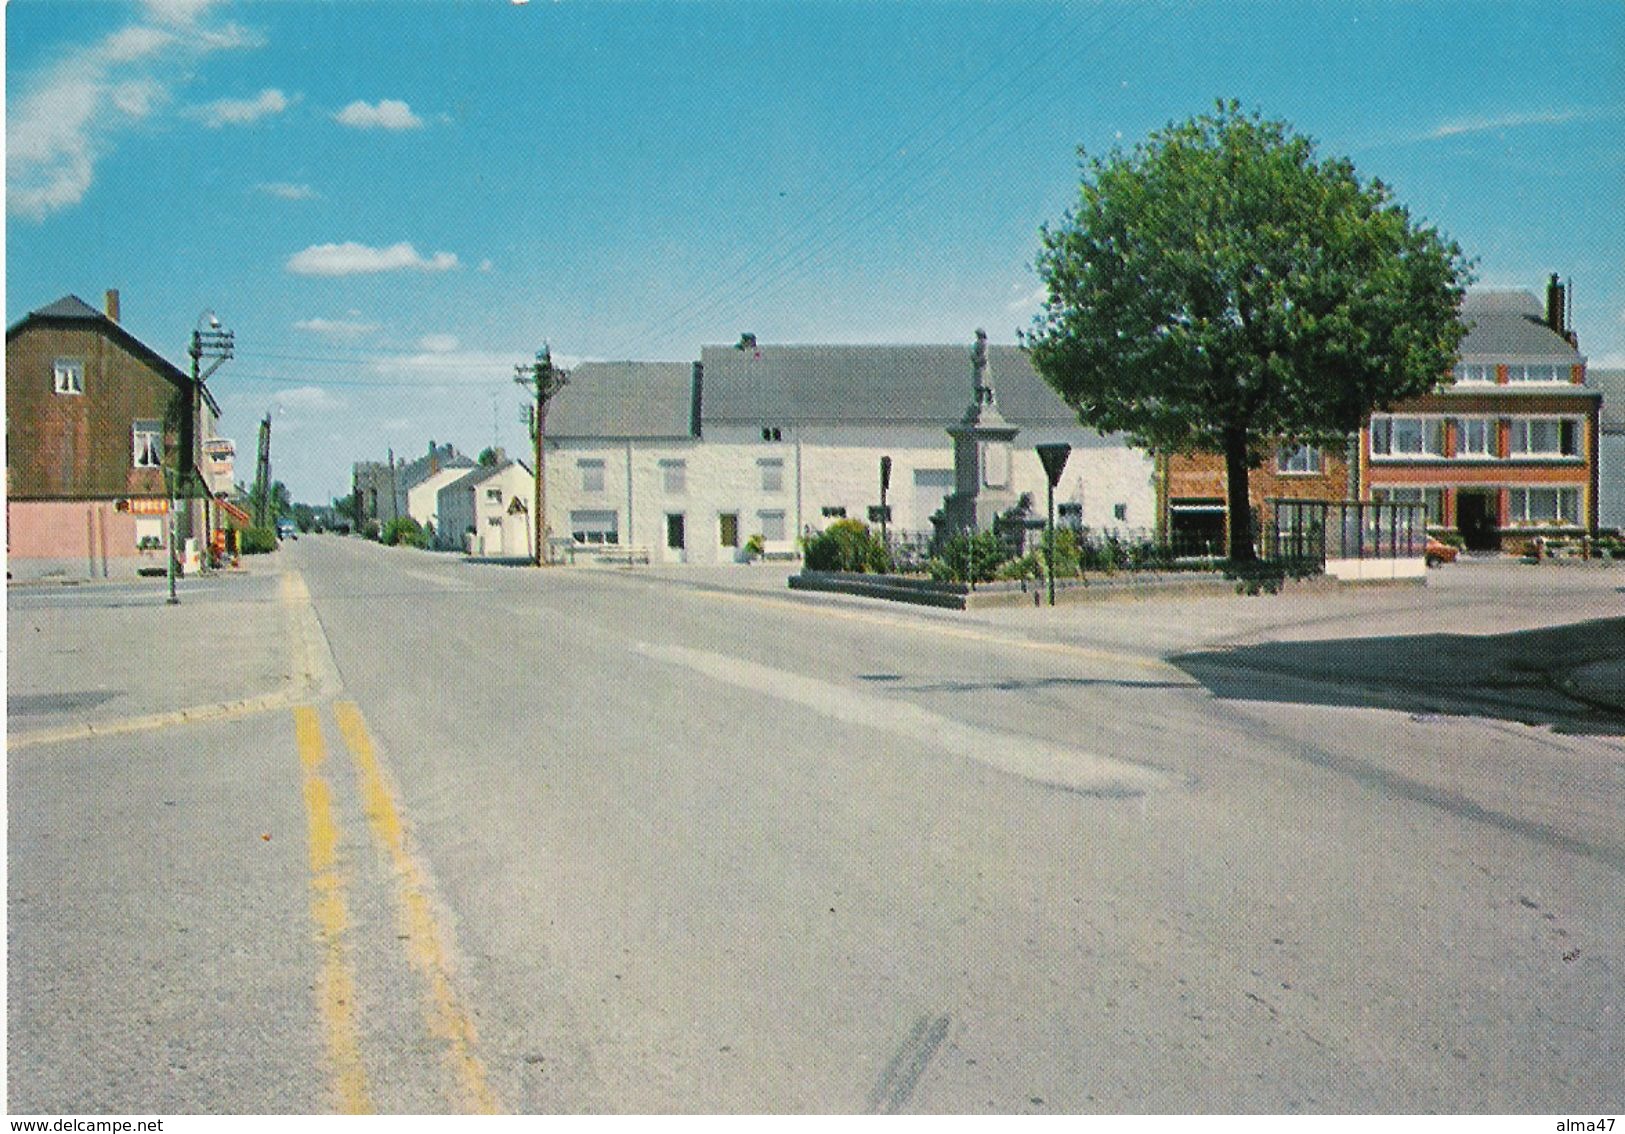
(473, 837)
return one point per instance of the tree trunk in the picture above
(1240, 506)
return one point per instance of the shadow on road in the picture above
(1535, 677)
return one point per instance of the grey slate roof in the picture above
(1510, 325)
(886, 384)
(1611, 384)
(69, 307)
(624, 400)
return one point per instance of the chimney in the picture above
(434, 459)
(112, 303)
(1554, 305)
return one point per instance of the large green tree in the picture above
(1221, 289)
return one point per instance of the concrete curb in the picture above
(313, 675)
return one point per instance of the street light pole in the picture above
(216, 345)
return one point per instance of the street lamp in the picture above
(216, 345)
(1054, 458)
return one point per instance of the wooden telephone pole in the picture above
(543, 380)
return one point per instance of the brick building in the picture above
(1193, 513)
(1507, 450)
(93, 416)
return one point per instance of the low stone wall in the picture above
(1094, 588)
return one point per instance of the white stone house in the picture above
(487, 511)
(689, 462)
(423, 505)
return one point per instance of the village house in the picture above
(1610, 449)
(93, 418)
(1506, 451)
(488, 510)
(759, 444)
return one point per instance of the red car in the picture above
(1439, 552)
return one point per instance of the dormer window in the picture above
(1476, 373)
(1533, 372)
(69, 376)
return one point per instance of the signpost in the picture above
(885, 513)
(1054, 458)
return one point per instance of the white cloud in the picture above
(71, 112)
(305, 399)
(241, 111)
(1502, 122)
(336, 328)
(486, 265)
(389, 114)
(287, 190)
(352, 259)
(438, 344)
(1031, 301)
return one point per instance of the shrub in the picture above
(847, 545)
(755, 546)
(969, 558)
(256, 541)
(404, 531)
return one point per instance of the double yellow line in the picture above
(427, 945)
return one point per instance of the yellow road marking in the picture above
(336, 992)
(449, 1019)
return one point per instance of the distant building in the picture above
(93, 417)
(1610, 448)
(1508, 450)
(692, 461)
(381, 489)
(487, 511)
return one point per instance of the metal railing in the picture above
(1314, 531)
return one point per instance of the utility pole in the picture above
(544, 380)
(262, 473)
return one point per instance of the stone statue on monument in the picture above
(982, 388)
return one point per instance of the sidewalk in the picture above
(114, 651)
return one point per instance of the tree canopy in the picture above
(1220, 289)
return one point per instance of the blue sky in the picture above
(392, 204)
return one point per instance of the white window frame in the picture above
(1463, 451)
(674, 477)
(595, 526)
(772, 473)
(1299, 460)
(1544, 373)
(1384, 433)
(147, 444)
(592, 475)
(1433, 498)
(1475, 373)
(1521, 442)
(1566, 503)
(68, 375)
(771, 521)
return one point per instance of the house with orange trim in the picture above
(1507, 451)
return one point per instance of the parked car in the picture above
(287, 529)
(1440, 552)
